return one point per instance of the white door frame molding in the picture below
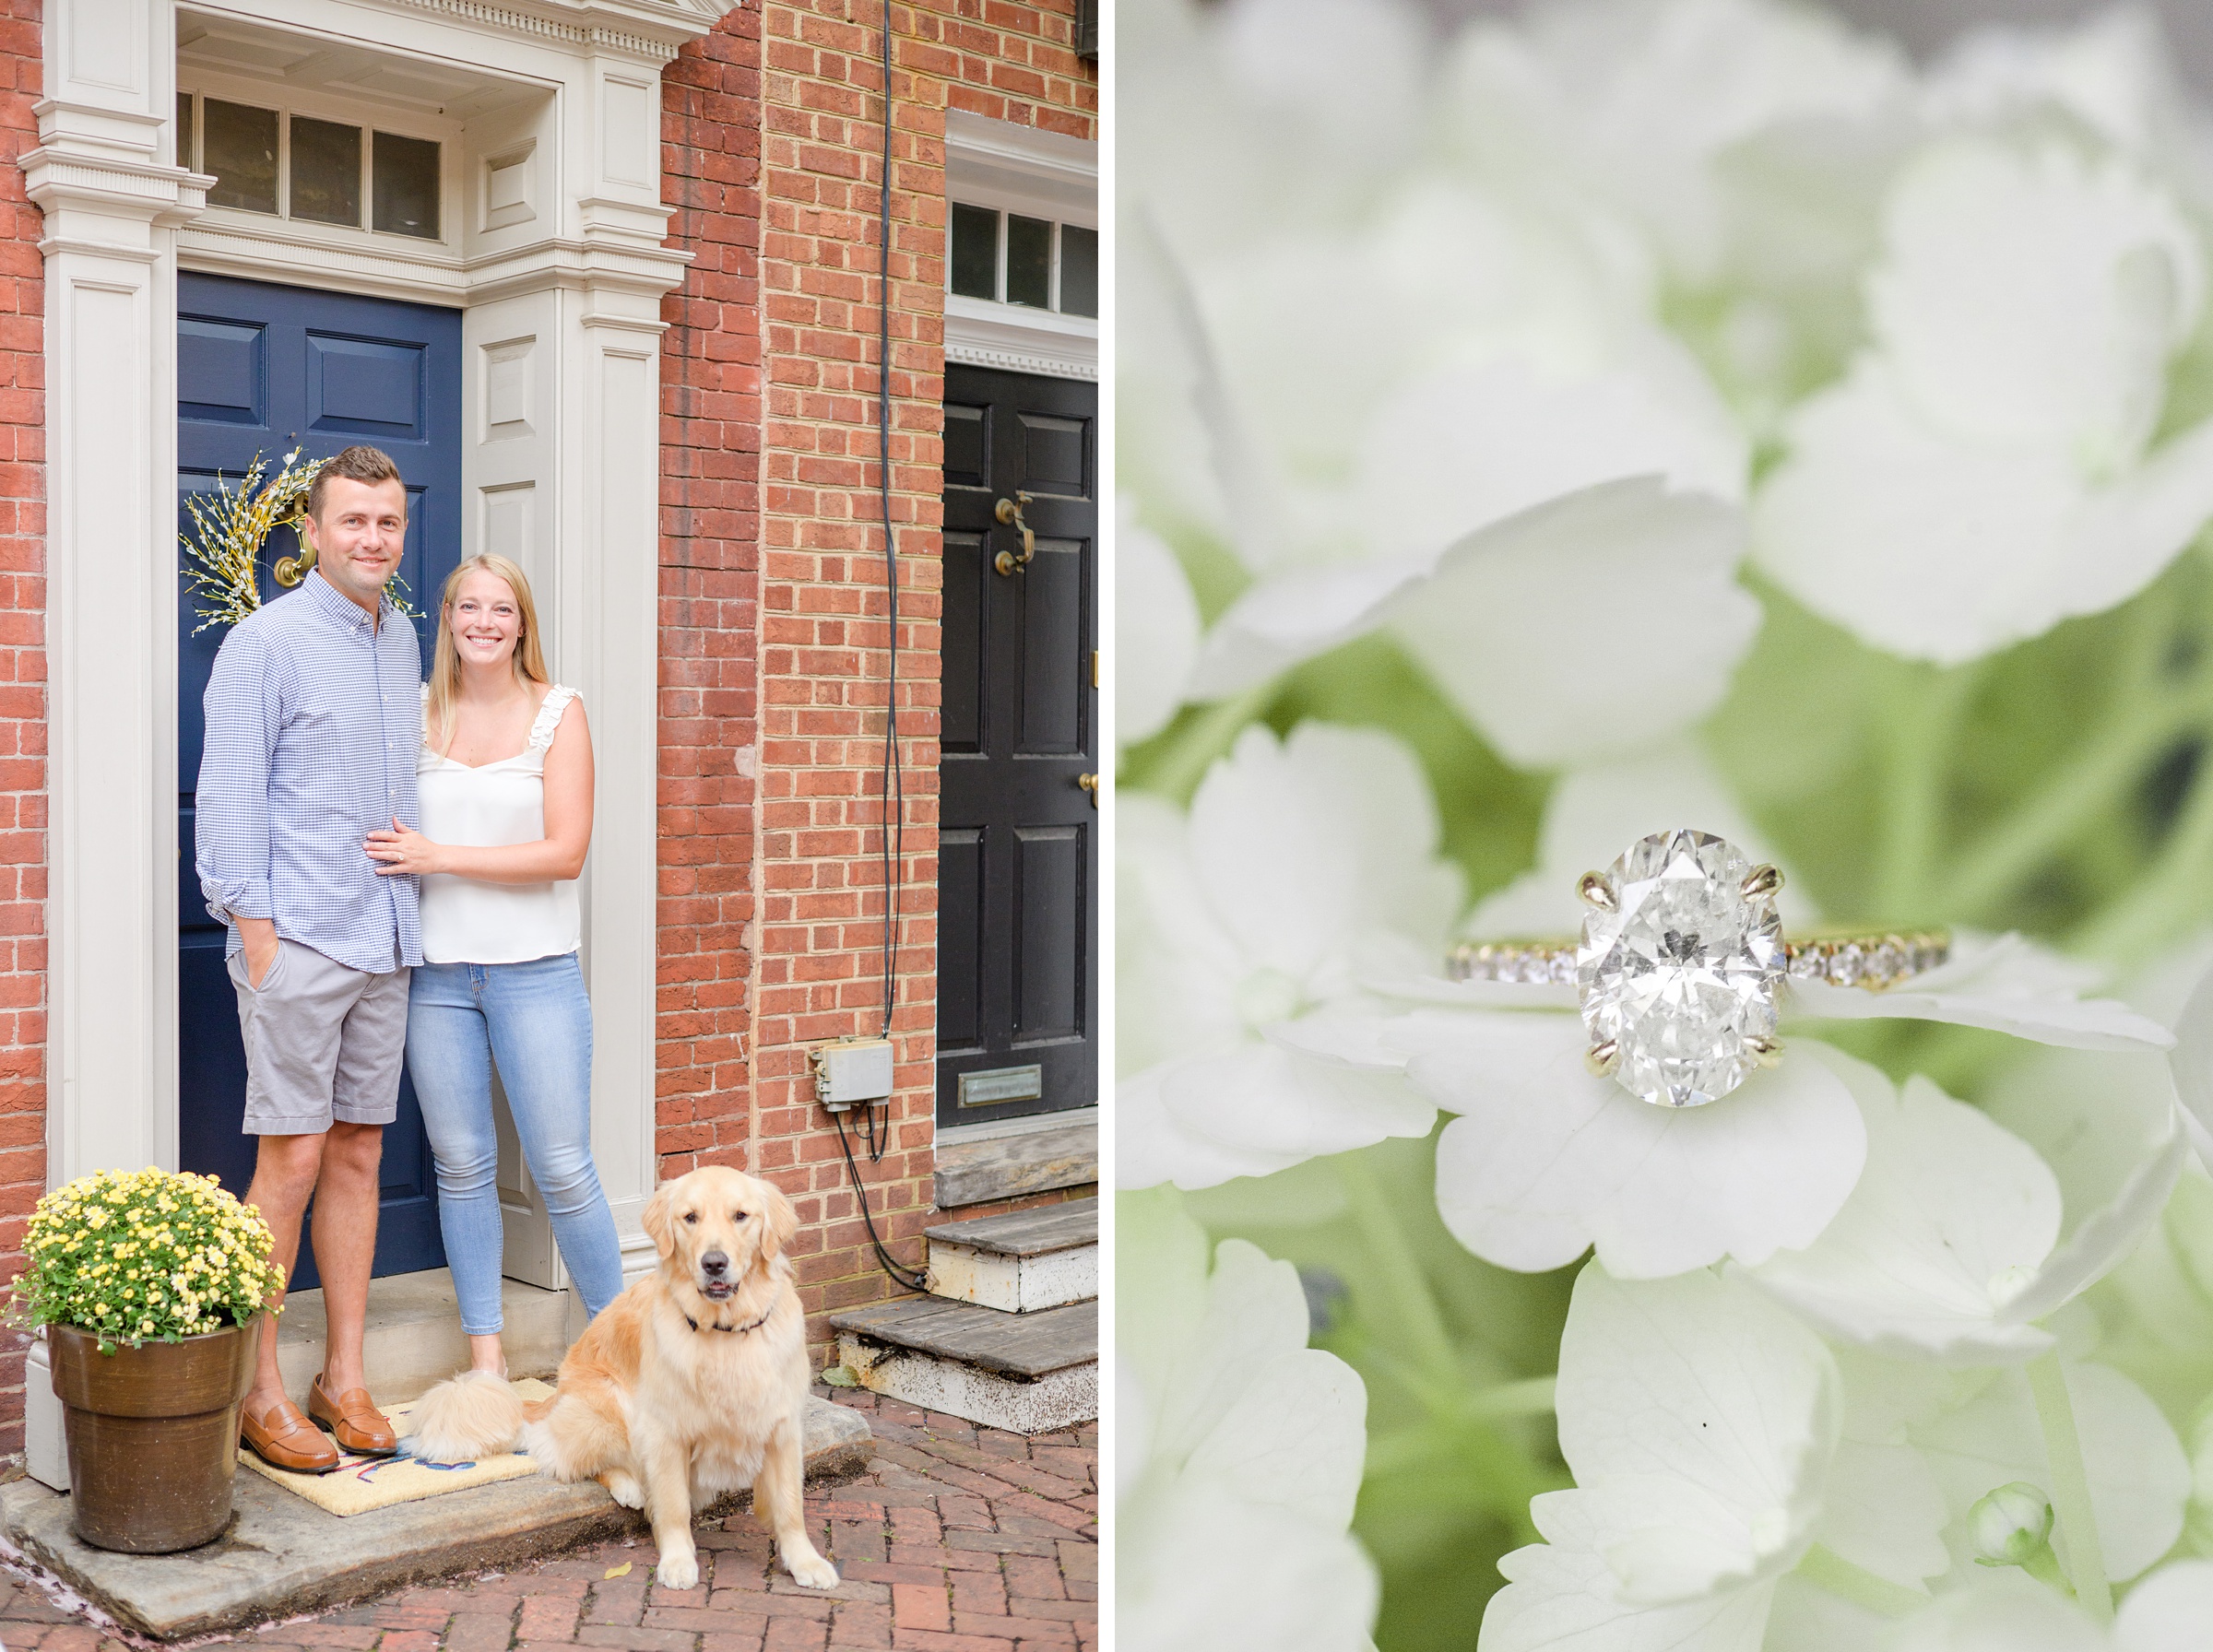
(559, 270)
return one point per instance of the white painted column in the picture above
(105, 178)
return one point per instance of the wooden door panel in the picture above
(967, 586)
(1018, 890)
(1049, 882)
(1056, 455)
(960, 939)
(1056, 651)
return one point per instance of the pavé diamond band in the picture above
(1682, 961)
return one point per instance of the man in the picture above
(314, 716)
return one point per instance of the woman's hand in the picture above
(403, 849)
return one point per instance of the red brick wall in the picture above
(22, 684)
(775, 632)
(1009, 61)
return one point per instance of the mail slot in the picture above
(1001, 1085)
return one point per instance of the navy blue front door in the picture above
(260, 370)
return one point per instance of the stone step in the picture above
(282, 1555)
(1024, 1373)
(977, 1164)
(1020, 1263)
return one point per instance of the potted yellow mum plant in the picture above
(151, 1284)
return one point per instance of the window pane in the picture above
(185, 158)
(1029, 261)
(1079, 271)
(240, 149)
(326, 172)
(974, 252)
(406, 185)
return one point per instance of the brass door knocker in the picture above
(1009, 511)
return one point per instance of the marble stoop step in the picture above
(1021, 1263)
(1027, 1373)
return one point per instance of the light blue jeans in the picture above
(534, 1020)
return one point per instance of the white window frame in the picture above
(1037, 174)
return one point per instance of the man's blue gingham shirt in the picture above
(313, 719)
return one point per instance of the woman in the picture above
(505, 778)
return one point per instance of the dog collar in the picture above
(733, 1329)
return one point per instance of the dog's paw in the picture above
(624, 1489)
(812, 1570)
(678, 1571)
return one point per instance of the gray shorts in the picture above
(324, 1043)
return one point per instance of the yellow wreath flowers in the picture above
(230, 528)
(145, 1256)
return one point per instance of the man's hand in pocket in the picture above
(260, 935)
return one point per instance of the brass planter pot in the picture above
(153, 1435)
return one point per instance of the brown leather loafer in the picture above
(283, 1438)
(353, 1420)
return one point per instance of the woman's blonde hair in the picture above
(529, 660)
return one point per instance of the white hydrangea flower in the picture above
(1642, 104)
(1303, 865)
(1987, 468)
(1240, 1453)
(1156, 632)
(1498, 426)
(1951, 1246)
(2006, 1612)
(1702, 1423)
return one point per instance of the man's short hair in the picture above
(356, 463)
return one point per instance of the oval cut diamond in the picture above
(1681, 975)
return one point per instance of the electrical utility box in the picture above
(852, 1072)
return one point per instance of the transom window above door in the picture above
(1013, 258)
(293, 165)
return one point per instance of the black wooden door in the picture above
(259, 369)
(1018, 849)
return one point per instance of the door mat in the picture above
(361, 1483)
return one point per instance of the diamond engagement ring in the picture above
(1683, 962)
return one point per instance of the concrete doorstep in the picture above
(282, 1555)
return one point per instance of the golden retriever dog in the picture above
(691, 1384)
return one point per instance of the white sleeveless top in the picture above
(466, 920)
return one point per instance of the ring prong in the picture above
(1761, 881)
(1602, 1058)
(1593, 888)
(1769, 1050)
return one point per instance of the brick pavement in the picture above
(958, 1539)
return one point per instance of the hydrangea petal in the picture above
(1697, 1419)
(1952, 1215)
(2008, 985)
(1331, 833)
(2031, 295)
(1560, 1600)
(1883, 1510)
(2140, 1478)
(1547, 1159)
(1157, 637)
(1507, 629)
(2002, 1612)
(1152, 1145)
(1199, 1570)
(2169, 1611)
(1271, 1103)
(1297, 1437)
(2108, 1126)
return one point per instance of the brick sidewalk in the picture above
(958, 1539)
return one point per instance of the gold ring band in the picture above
(1872, 959)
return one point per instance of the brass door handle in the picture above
(1009, 511)
(1090, 783)
(290, 570)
